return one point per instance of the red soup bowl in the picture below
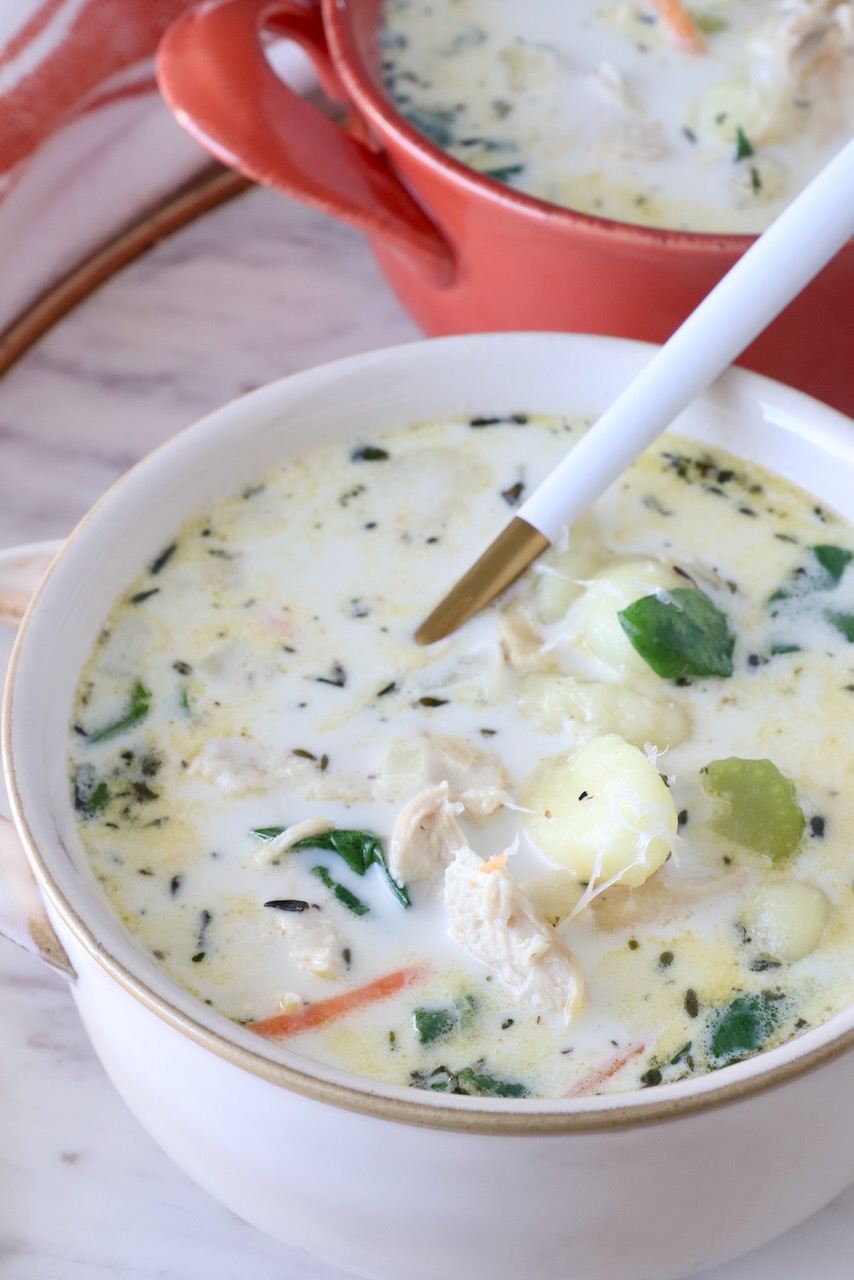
(462, 252)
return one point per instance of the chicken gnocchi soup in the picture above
(598, 840)
(701, 117)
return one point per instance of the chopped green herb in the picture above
(344, 896)
(98, 799)
(369, 453)
(680, 1054)
(144, 595)
(139, 706)
(513, 495)
(651, 1078)
(160, 562)
(743, 146)
(437, 125)
(468, 38)
(762, 810)
(503, 172)
(680, 633)
(336, 677)
(90, 795)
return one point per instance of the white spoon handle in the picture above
(764, 280)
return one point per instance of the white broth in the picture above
(616, 802)
(709, 122)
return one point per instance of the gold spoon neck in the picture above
(501, 563)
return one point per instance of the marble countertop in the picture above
(255, 290)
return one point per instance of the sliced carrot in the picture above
(320, 1012)
(681, 28)
(590, 1082)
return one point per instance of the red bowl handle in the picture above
(215, 76)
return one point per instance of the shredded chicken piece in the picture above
(313, 943)
(475, 778)
(659, 899)
(286, 839)
(625, 130)
(289, 1002)
(236, 766)
(425, 836)
(804, 34)
(232, 765)
(492, 919)
(612, 84)
(519, 637)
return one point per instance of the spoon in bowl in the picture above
(775, 268)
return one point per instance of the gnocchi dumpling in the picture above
(786, 918)
(603, 812)
(554, 894)
(551, 700)
(559, 575)
(724, 108)
(592, 621)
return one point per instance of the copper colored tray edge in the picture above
(213, 188)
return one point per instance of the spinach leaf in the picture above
(139, 705)
(478, 1083)
(472, 1081)
(267, 833)
(843, 622)
(341, 892)
(435, 1023)
(680, 633)
(762, 810)
(822, 573)
(359, 849)
(743, 1027)
(833, 560)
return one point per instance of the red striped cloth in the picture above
(86, 144)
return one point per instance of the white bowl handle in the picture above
(23, 918)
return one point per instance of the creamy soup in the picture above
(709, 117)
(597, 840)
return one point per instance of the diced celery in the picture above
(762, 811)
